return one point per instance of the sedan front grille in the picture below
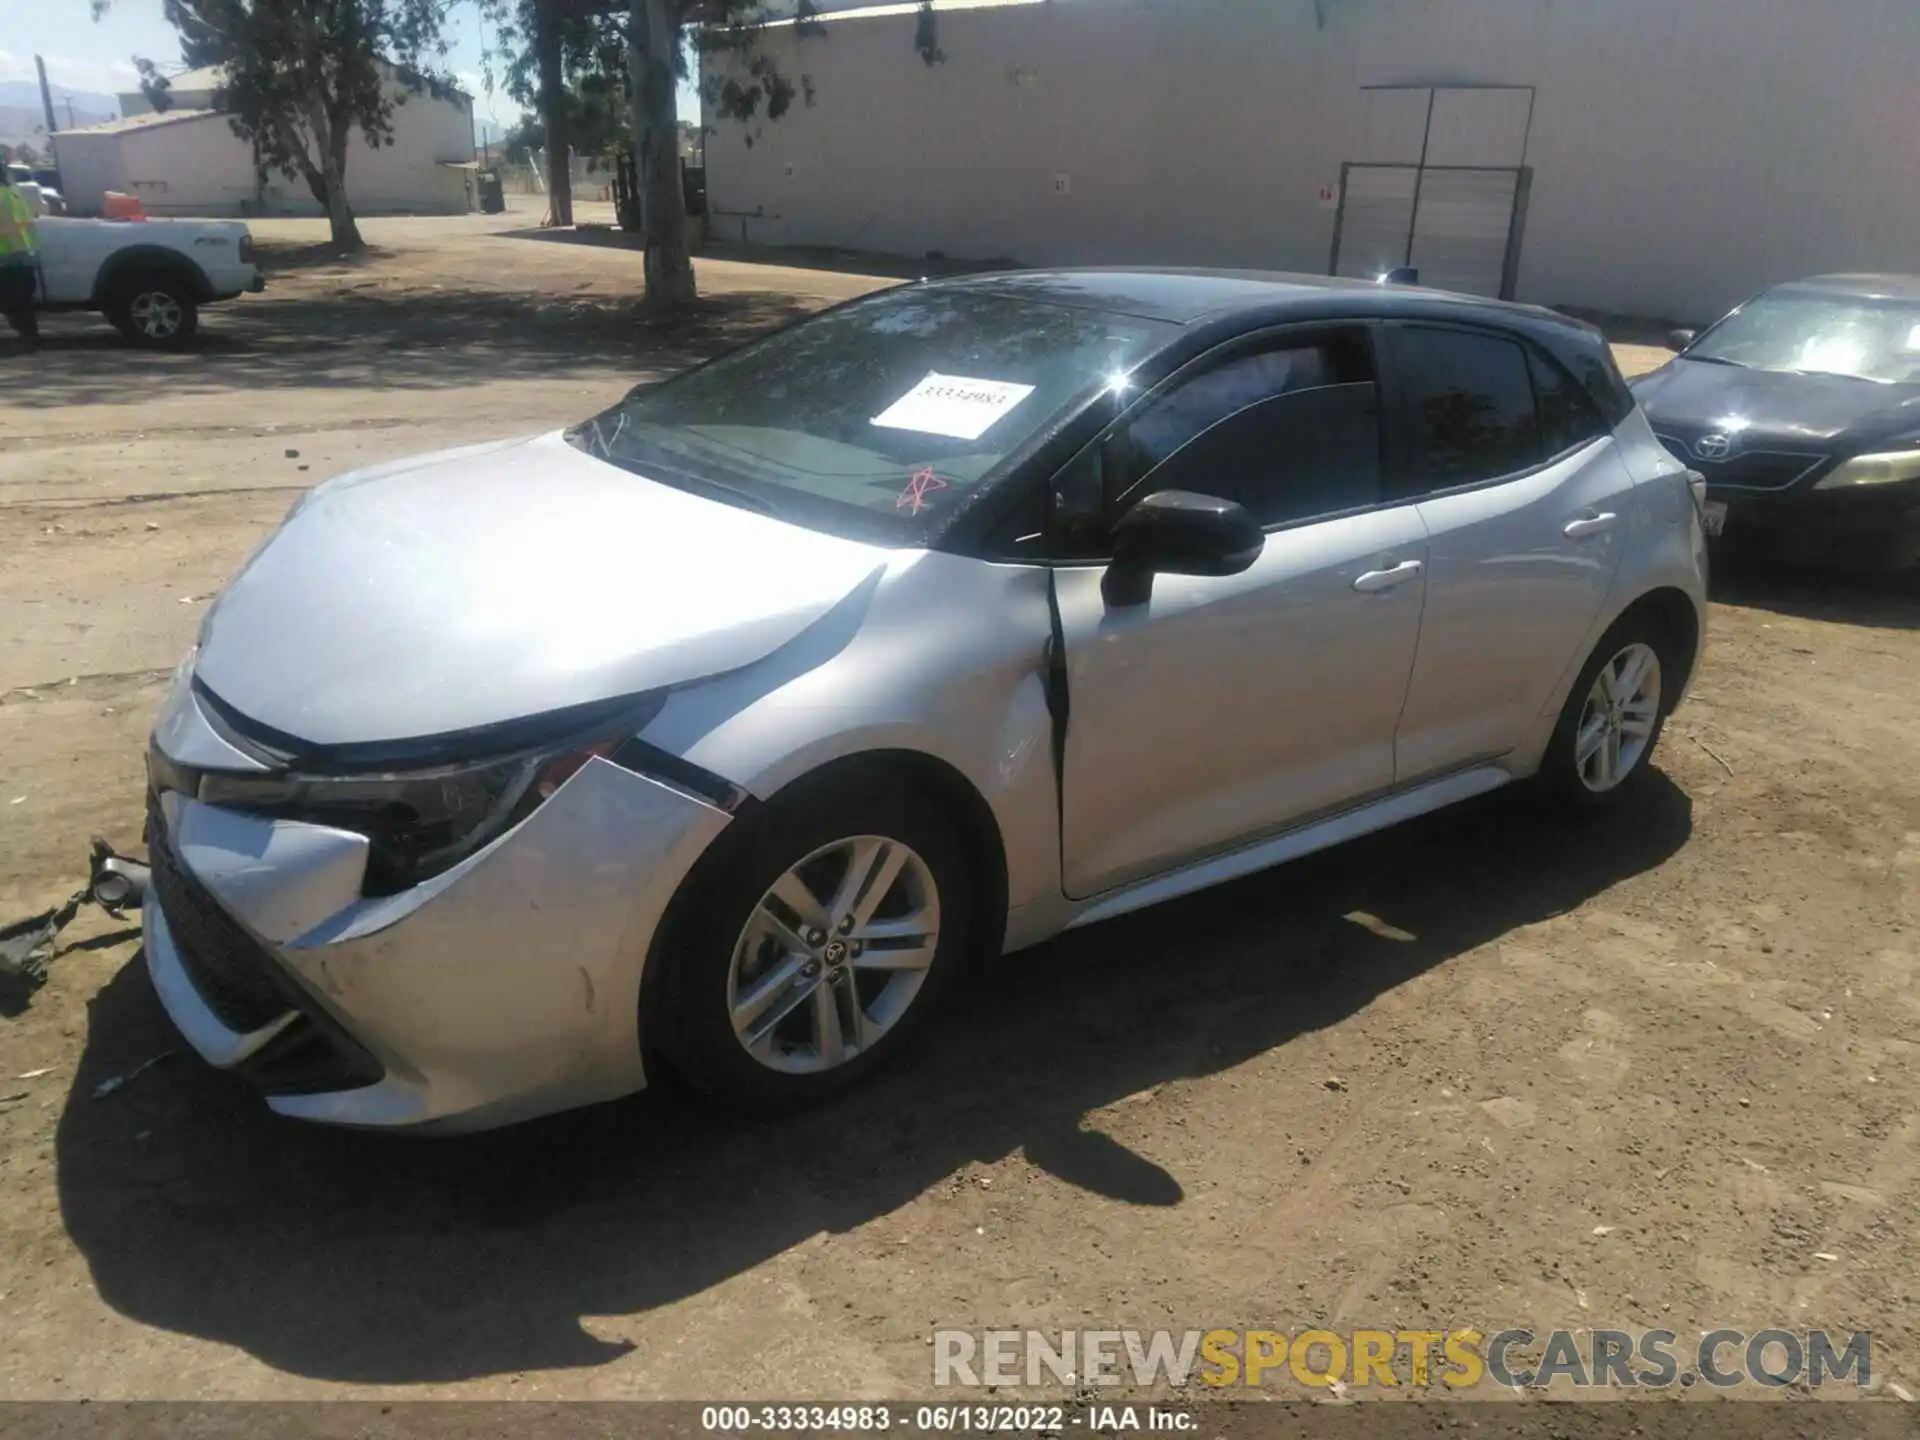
(1748, 470)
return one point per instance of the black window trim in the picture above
(1248, 341)
(1399, 443)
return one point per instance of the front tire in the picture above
(824, 935)
(1602, 747)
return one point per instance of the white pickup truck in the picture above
(148, 277)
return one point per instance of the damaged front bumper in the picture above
(507, 987)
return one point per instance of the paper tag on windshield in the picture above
(952, 405)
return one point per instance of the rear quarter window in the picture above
(1590, 361)
(1568, 416)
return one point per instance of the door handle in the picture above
(1591, 523)
(1376, 580)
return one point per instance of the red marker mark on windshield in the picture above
(913, 499)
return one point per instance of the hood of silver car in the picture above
(501, 581)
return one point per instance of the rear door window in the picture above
(1467, 408)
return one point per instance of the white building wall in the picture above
(410, 176)
(194, 167)
(201, 167)
(90, 165)
(135, 102)
(1683, 155)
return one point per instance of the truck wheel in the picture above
(154, 310)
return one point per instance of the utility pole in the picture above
(46, 96)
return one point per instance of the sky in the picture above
(87, 55)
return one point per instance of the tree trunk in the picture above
(653, 38)
(330, 186)
(346, 230)
(553, 101)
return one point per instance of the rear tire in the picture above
(787, 982)
(1603, 744)
(157, 310)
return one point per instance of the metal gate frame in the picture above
(1522, 188)
(1516, 224)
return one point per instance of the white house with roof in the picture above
(187, 160)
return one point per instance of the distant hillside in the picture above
(21, 126)
(21, 118)
(27, 92)
(22, 122)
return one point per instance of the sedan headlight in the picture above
(1874, 470)
(422, 821)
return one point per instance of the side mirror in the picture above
(1679, 339)
(1178, 533)
(1402, 275)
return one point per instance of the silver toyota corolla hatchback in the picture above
(721, 729)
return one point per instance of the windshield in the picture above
(1820, 334)
(883, 419)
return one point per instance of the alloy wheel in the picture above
(833, 954)
(1617, 722)
(156, 315)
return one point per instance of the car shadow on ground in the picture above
(385, 1259)
(1812, 592)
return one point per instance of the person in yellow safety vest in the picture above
(19, 262)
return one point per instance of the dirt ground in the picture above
(1492, 1069)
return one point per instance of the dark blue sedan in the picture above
(1802, 409)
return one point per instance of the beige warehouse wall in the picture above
(1687, 159)
(409, 175)
(449, 126)
(89, 167)
(896, 155)
(192, 167)
(1684, 155)
(201, 167)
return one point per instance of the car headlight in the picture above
(420, 822)
(1874, 470)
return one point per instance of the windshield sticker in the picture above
(952, 405)
(913, 499)
(1913, 338)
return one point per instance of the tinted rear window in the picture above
(1469, 412)
(1568, 418)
